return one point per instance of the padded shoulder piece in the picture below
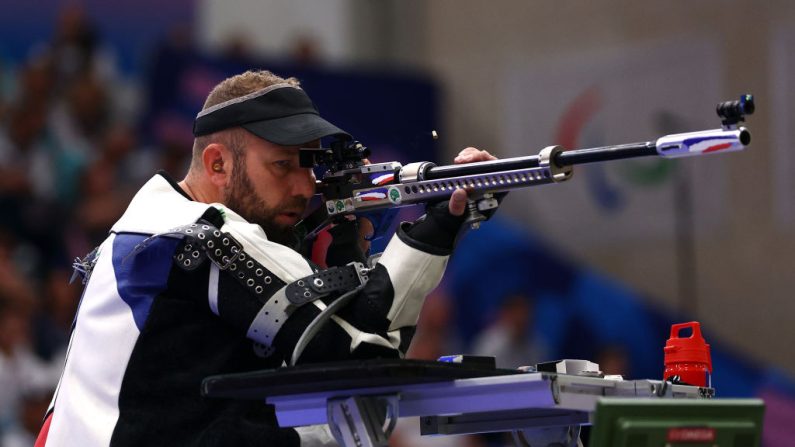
(204, 241)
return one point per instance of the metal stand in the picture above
(548, 437)
(358, 421)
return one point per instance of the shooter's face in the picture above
(269, 188)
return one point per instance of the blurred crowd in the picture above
(70, 160)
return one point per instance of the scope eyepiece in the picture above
(733, 112)
(349, 151)
(342, 154)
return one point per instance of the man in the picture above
(197, 278)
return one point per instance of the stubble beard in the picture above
(242, 199)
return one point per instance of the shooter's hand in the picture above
(458, 201)
(443, 222)
(341, 243)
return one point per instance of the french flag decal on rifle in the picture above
(706, 145)
(373, 194)
(382, 179)
(704, 142)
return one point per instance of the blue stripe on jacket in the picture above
(141, 277)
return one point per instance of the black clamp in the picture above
(325, 282)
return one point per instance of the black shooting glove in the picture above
(336, 246)
(438, 229)
(345, 246)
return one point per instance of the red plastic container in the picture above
(688, 357)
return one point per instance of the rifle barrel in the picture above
(565, 158)
(621, 151)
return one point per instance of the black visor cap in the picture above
(283, 116)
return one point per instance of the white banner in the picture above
(622, 96)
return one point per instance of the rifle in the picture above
(351, 187)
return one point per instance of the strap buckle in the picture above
(234, 247)
(325, 282)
